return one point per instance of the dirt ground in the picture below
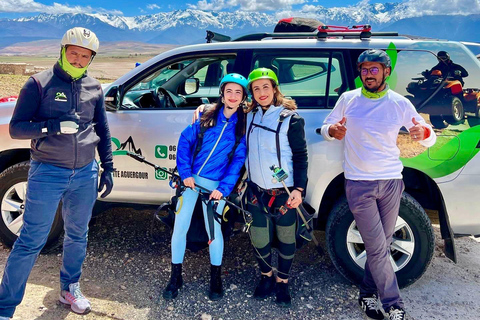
(128, 263)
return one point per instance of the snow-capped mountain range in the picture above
(188, 26)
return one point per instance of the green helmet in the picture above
(262, 73)
(374, 55)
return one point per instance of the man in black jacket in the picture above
(448, 68)
(62, 111)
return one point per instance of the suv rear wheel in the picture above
(13, 187)
(411, 249)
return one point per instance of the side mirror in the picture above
(111, 98)
(191, 85)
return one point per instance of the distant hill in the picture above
(50, 48)
(460, 28)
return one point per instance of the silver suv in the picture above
(150, 106)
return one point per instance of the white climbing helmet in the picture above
(81, 37)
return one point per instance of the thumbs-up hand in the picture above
(417, 132)
(338, 130)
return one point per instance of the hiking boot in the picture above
(176, 282)
(282, 293)
(216, 289)
(265, 287)
(371, 306)
(75, 299)
(396, 313)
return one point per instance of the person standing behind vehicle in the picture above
(275, 136)
(215, 166)
(62, 111)
(369, 118)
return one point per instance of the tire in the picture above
(477, 108)
(13, 185)
(438, 122)
(457, 112)
(415, 236)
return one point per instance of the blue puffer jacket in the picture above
(212, 160)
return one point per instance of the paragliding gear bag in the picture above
(302, 233)
(297, 24)
(197, 237)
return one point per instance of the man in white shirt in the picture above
(369, 118)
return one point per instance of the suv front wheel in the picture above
(411, 249)
(13, 187)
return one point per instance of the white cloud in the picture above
(246, 5)
(152, 6)
(205, 5)
(32, 6)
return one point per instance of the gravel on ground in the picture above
(128, 265)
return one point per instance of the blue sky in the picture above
(20, 8)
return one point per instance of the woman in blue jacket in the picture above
(216, 166)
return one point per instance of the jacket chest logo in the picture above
(60, 96)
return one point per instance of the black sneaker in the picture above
(283, 298)
(396, 313)
(371, 307)
(265, 287)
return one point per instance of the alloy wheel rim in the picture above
(13, 207)
(401, 249)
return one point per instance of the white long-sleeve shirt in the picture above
(371, 151)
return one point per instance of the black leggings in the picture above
(270, 225)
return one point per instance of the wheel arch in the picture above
(425, 190)
(13, 156)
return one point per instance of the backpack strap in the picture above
(200, 135)
(238, 138)
(283, 115)
(250, 127)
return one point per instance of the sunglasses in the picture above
(373, 70)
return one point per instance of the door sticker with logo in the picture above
(161, 152)
(161, 175)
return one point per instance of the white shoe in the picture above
(75, 299)
(4, 318)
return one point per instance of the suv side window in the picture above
(207, 71)
(305, 76)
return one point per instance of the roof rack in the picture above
(324, 32)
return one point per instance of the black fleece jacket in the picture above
(52, 96)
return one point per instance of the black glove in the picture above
(106, 180)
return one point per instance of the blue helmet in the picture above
(234, 78)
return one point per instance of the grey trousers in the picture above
(375, 206)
